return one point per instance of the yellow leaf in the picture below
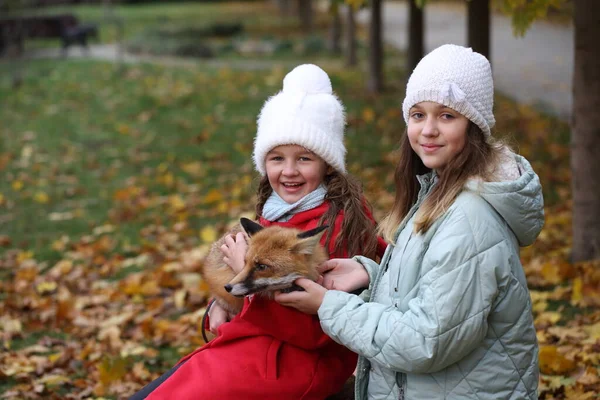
(176, 202)
(223, 207)
(213, 196)
(368, 115)
(554, 363)
(208, 234)
(194, 168)
(551, 317)
(555, 273)
(124, 129)
(179, 298)
(167, 179)
(41, 197)
(61, 268)
(593, 331)
(112, 369)
(54, 380)
(540, 306)
(24, 255)
(130, 349)
(1, 199)
(53, 357)
(10, 326)
(46, 287)
(150, 288)
(162, 167)
(17, 185)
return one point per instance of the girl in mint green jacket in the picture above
(447, 312)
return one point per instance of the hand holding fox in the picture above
(234, 251)
(342, 274)
(307, 301)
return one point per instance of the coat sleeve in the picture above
(372, 268)
(444, 322)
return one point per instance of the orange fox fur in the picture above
(276, 257)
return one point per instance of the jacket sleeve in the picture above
(444, 322)
(372, 268)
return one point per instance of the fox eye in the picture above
(260, 267)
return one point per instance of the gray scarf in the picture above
(277, 210)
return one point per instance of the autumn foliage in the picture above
(107, 212)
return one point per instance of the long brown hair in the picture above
(358, 234)
(476, 159)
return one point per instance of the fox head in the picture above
(276, 257)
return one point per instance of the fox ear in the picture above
(313, 232)
(250, 226)
(309, 240)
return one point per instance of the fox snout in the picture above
(237, 293)
(250, 286)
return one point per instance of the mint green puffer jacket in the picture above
(448, 313)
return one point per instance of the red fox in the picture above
(276, 257)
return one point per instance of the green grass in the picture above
(87, 145)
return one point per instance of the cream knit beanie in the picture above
(456, 77)
(305, 113)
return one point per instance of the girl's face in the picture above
(294, 172)
(436, 133)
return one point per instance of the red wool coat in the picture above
(268, 351)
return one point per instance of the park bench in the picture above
(15, 30)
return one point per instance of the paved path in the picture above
(535, 69)
(112, 52)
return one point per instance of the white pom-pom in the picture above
(307, 78)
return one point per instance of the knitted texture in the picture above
(278, 210)
(304, 113)
(456, 77)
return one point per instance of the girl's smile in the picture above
(430, 148)
(294, 171)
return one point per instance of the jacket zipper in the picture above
(401, 385)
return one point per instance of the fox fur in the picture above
(276, 257)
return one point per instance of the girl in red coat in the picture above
(268, 351)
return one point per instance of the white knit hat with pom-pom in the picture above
(305, 113)
(456, 77)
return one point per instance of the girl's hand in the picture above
(308, 301)
(343, 274)
(234, 251)
(217, 316)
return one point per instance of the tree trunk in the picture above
(478, 26)
(375, 82)
(416, 48)
(305, 14)
(585, 136)
(351, 59)
(284, 7)
(335, 31)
